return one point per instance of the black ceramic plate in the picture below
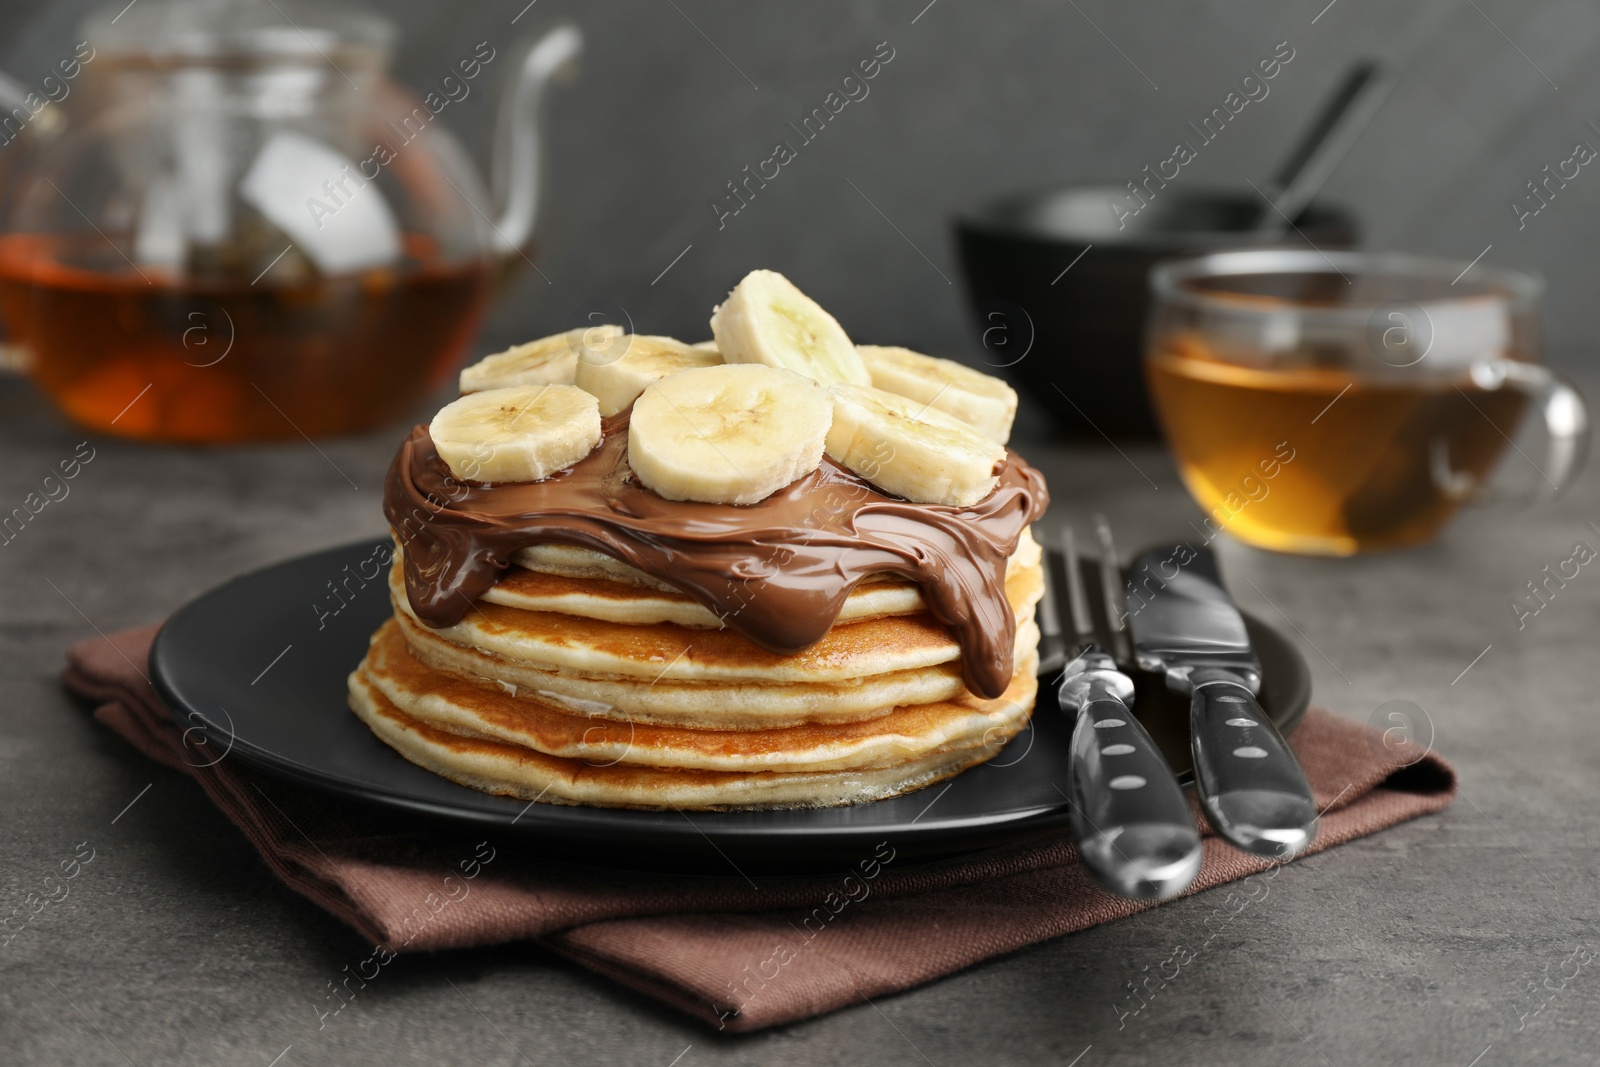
(261, 663)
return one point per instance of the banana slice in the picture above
(911, 450)
(548, 361)
(983, 402)
(767, 320)
(522, 433)
(733, 434)
(705, 346)
(618, 373)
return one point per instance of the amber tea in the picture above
(202, 360)
(1321, 461)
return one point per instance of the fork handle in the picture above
(1133, 826)
(1250, 784)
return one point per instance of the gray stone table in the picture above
(1422, 944)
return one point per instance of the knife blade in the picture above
(1185, 626)
(1133, 826)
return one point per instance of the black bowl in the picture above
(1067, 330)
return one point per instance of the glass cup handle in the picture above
(1566, 425)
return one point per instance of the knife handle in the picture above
(1133, 826)
(1249, 782)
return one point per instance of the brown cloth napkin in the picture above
(740, 953)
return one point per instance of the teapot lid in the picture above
(209, 30)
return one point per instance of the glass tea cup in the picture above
(1346, 402)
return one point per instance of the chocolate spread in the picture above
(777, 571)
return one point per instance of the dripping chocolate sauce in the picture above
(777, 571)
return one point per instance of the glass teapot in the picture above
(234, 225)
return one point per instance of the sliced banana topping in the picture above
(910, 449)
(550, 360)
(732, 434)
(736, 418)
(982, 401)
(767, 320)
(617, 373)
(522, 433)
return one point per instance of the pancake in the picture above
(494, 766)
(613, 601)
(726, 706)
(463, 707)
(574, 562)
(570, 644)
(574, 581)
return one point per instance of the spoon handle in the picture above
(1320, 150)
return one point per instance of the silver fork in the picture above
(1129, 815)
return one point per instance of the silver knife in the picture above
(1185, 625)
(1133, 825)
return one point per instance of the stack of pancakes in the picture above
(579, 679)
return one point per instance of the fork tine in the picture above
(1052, 646)
(1077, 596)
(1111, 590)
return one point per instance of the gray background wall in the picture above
(980, 99)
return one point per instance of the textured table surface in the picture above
(1439, 941)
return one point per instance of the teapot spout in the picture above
(517, 161)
